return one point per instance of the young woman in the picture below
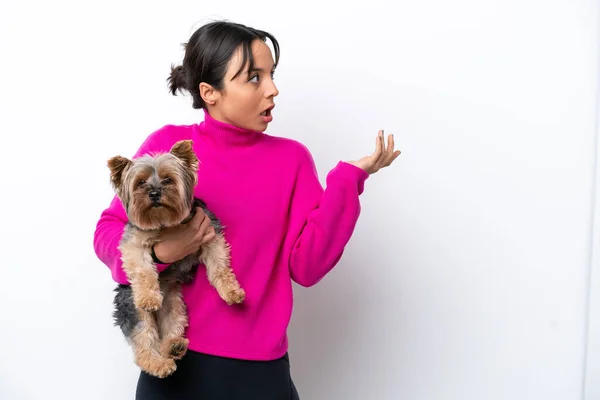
(280, 222)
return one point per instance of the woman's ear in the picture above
(208, 93)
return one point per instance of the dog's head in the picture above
(156, 190)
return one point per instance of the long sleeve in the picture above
(329, 217)
(111, 225)
(107, 236)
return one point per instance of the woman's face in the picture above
(247, 100)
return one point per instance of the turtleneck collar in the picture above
(227, 134)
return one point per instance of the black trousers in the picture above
(204, 377)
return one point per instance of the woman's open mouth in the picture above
(267, 116)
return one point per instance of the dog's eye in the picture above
(166, 181)
(140, 183)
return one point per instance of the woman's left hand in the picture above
(381, 158)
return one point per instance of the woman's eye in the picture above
(253, 79)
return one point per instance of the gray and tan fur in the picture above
(157, 192)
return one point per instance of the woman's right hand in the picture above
(381, 158)
(179, 241)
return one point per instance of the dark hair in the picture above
(207, 54)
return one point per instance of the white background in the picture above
(470, 270)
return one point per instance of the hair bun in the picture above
(177, 80)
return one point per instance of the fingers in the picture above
(379, 147)
(204, 225)
(199, 218)
(206, 231)
(390, 148)
(389, 155)
(209, 235)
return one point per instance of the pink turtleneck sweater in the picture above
(280, 222)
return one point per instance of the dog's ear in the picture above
(185, 152)
(118, 165)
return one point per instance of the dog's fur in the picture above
(157, 192)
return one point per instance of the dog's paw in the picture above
(179, 348)
(175, 348)
(162, 369)
(235, 296)
(150, 302)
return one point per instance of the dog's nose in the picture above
(154, 195)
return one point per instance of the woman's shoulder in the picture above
(291, 148)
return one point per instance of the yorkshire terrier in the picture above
(157, 191)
